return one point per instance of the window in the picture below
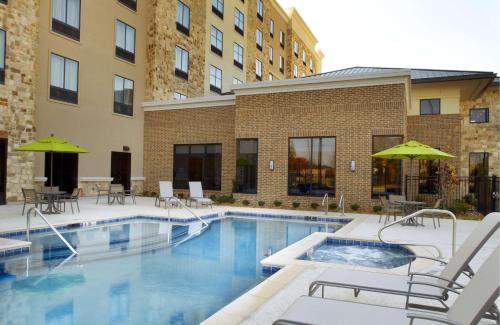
(282, 64)
(295, 71)
(260, 9)
(304, 57)
(198, 163)
(218, 8)
(179, 96)
(215, 79)
(125, 41)
(479, 115)
(478, 164)
(132, 4)
(258, 38)
(238, 56)
(258, 69)
(216, 41)
(386, 174)
(124, 96)
(63, 79)
(246, 166)
(311, 166)
(271, 28)
(239, 21)
(3, 1)
(282, 39)
(271, 77)
(237, 81)
(311, 65)
(430, 106)
(271, 55)
(66, 18)
(181, 63)
(3, 42)
(182, 18)
(296, 48)
(428, 173)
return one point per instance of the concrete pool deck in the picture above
(267, 301)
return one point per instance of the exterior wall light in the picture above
(271, 164)
(353, 165)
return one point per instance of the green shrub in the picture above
(332, 206)
(231, 199)
(296, 205)
(470, 199)
(314, 205)
(180, 195)
(245, 202)
(154, 194)
(277, 203)
(355, 207)
(377, 209)
(213, 197)
(458, 207)
(145, 193)
(262, 203)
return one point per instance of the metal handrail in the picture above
(323, 203)
(37, 212)
(342, 204)
(327, 206)
(188, 209)
(417, 213)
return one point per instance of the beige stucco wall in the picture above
(449, 95)
(91, 123)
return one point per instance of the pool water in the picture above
(129, 274)
(361, 255)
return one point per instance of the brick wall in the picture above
(291, 59)
(20, 20)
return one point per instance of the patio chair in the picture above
(116, 192)
(388, 210)
(101, 191)
(196, 195)
(435, 287)
(166, 194)
(131, 193)
(31, 197)
(70, 198)
(437, 205)
(476, 301)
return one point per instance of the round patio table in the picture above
(408, 207)
(52, 198)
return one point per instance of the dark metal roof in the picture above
(417, 75)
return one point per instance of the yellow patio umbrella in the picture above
(51, 144)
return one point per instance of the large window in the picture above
(296, 48)
(478, 164)
(215, 79)
(198, 163)
(271, 56)
(304, 57)
(216, 41)
(282, 64)
(124, 96)
(479, 115)
(311, 166)
(428, 172)
(258, 69)
(3, 43)
(125, 41)
(132, 4)
(63, 79)
(239, 21)
(430, 106)
(218, 8)
(271, 28)
(282, 39)
(258, 38)
(182, 18)
(66, 18)
(260, 9)
(238, 55)
(246, 166)
(295, 71)
(386, 174)
(181, 63)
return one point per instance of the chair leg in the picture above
(434, 221)
(97, 201)
(77, 206)
(24, 205)
(71, 205)
(379, 218)
(439, 222)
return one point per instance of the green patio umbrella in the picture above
(51, 144)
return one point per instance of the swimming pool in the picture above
(127, 273)
(361, 253)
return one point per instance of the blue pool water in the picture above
(362, 254)
(128, 273)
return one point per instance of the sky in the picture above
(433, 34)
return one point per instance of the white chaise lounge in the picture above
(196, 195)
(476, 301)
(166, 194)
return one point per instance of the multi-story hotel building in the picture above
(81, 69)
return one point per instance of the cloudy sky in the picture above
(436, 34)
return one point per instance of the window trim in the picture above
(214, 48)
(429, 99)
(256, 168)
(260, 15)
(214, 88)
(236, 62)
(487, 115)
(56, 89)
(63, 28)
(122, 53)
(115, 103)
(217, 11)
(130, 4)
(236, 27)
(259, 46)
(178, 72)
(180, 26)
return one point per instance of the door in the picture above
(120, 168)
(64, 170)
(3, 171)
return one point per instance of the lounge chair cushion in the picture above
(202, 200)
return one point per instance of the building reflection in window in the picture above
(386, 174)
(119, 303)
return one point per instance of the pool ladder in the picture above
(341, 203)
(37, 212)
(204, 223)
(414, 215)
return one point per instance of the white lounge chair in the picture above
(476, 301)
(166, 194)
(436, 288)
(196, 195)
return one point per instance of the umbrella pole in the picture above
(51, 167)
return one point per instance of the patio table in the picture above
(408, 207)
(52, 198)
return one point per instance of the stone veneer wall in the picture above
(480, 137)
(163, 129)
(291, 59)
(161, 82)
(19, 19)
